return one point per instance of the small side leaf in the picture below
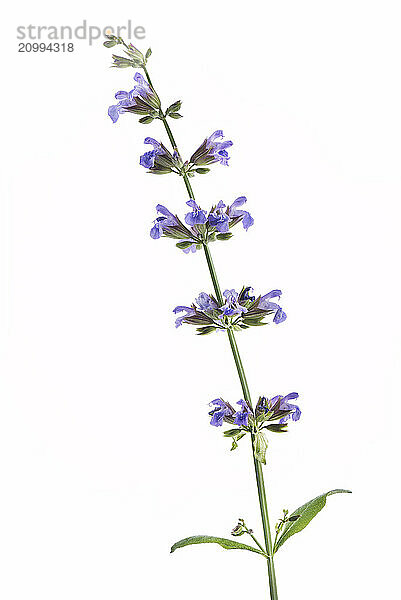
(174, 107)
(205, 330)
(209, 539)
(232, 432)
(224, 236)
(183, 245)
(304, 514)
(146, 120)
(277, 427)
(236, 435)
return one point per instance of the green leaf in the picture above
(232, 432)
(277, 427)
(146, 120)
(236, 435)
(183, 245)
(236, 439)
(205, 330)
(224, 236)
(175, 115)
(174, 107)
(209, 539)
(148, 53)
(254, 322)
(305, 514)
(202, 171)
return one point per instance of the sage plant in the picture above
(228, 311)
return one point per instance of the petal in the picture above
(280, 316)
(163, 210)
(155, 232)
(247, 220)
(178, 309)
(121, 95)
(272, 294)
(139, 78)
(114, 112)
(224, 145)
(156, 145)
(238, 202)
(217, 402)
(215, 135)
(297, 414)
(189, 219)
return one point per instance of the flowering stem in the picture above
(213, 275)
(241, 375)
(258, 472)
(257, 464)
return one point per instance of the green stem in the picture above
(256, 542)
(213, 275)
(258, 473)
(266, 528)
(241, 375)
(258, 467)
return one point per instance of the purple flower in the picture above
(242, 416)
(218, 149)
(205, 302)
(266, 304)
(167, 220)
(197, 216)
(219, 218)
(142, 88)
(126, 99)
(280, 316)
(231, 307)
(264, 405)
(189, 311)
(147, 160)
(286, 405)
(221, 412)
(233, 211)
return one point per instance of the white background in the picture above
(107, 457)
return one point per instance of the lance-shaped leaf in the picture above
(210, 539)
(305, 514)
(205, 330)
(236, 435)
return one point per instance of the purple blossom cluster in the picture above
(278, 408)
(200, 226)
(212, 150)
(140, 100)
(239, 311)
